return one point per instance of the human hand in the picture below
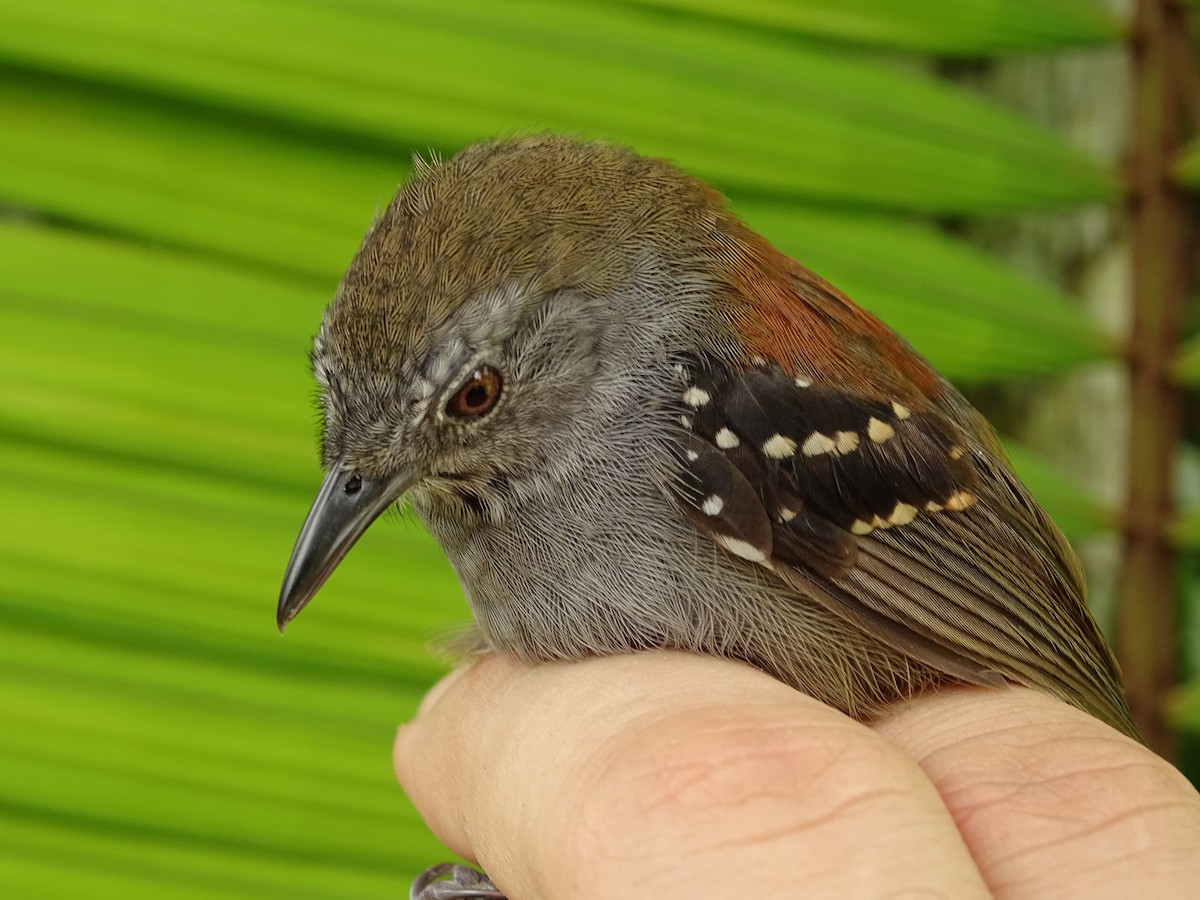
(671, 775)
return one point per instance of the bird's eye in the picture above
(477, 395)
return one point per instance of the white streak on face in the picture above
(321, 370)
(491, 317)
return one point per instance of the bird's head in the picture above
(497, 317)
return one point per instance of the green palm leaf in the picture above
(182, 184)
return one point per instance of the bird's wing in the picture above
(897, 519)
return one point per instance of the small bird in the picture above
(632, 423)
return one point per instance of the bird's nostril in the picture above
(353, 484)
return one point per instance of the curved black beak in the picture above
(345, 506)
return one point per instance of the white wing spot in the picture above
(933, 507)
(685, 421)
(817, 443)
(957, 451)
(696, 397)
(779, 447)
(902, 412)
(757, 361)
(423, 388)
(845, 442)
(880, 431)
(802, 382)
(902, 514)
(692, 456)
(712, 505)
(861, 527)
(786, 514)
(743, 549)
(727, 440)
(960, 500)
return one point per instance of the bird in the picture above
(632, 423)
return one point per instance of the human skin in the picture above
(668, 775)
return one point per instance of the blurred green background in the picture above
(182, 183)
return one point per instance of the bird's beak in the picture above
(346, 504)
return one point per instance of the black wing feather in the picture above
(899, 522)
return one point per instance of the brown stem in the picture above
(1159, 231)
